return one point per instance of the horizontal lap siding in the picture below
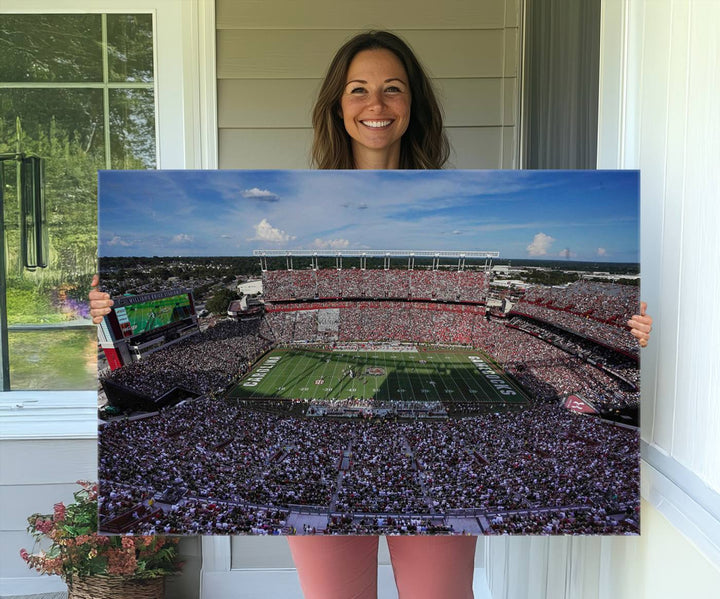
(307, 54)
(402, 14)
(287, 103)
(271, 60)
(36, 475)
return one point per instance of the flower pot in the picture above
(116, 587)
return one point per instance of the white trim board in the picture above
(679, 494)
(249, 584)
(48, 415)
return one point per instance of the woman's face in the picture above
(375, 103)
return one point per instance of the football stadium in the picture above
(378, 401)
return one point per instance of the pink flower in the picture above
(128, 543)
(121, 562)
(44, 526)
(24, 555)
(59, 512)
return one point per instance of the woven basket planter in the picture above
(116, 587)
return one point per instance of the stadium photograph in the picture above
(337, 352)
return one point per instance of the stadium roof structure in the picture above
(436, 255)
(380, 253)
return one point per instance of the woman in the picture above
(377, 110)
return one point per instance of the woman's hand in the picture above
(641, 325)
(100, 301)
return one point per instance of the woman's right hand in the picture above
(641, 325)
(100, 301)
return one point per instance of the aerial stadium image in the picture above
(385, 352)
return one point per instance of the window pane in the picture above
(54, 359)
(132, 128)
(52, 344)
(53, 119)
(50, 48)
(130, 47)
(65, 127)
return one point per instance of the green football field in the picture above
(452, 376)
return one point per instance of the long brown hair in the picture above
(424, 144)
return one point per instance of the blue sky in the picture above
(576, 215)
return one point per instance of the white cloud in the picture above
(226, 236)
(117, 240)
(260, 194)
(264, 231)
(601, 252)
(332, 244)
(540, 245)
(182, 238)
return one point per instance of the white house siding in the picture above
(34, 475)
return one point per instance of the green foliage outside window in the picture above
(76, 90)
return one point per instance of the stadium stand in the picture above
(216, 466)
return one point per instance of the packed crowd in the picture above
(376, 321)
(606, 302)
(117, 499)
(217, 467)
(539, 457)
(549, 373)
(386, 525)
(381, 476)
(208, 361)
(444, 285)
(196, 517)
(586, 521)
(599, 311)
(548, 361)
(230, 463)
(611, 361)
(397, 407)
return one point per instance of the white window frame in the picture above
(186, 135)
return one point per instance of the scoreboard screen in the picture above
(137, 315)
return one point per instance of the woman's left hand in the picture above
(641, 325)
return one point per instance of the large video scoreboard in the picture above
(145, 315)
(145, 322)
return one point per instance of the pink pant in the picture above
(425, 567)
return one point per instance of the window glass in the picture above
(36, 48)
(81, 105)
(132, 128)
(54, 359)
(129, 37)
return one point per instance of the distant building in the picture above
(246, 307)
(510, 284)
(251, 287)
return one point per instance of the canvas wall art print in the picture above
(390, 352)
